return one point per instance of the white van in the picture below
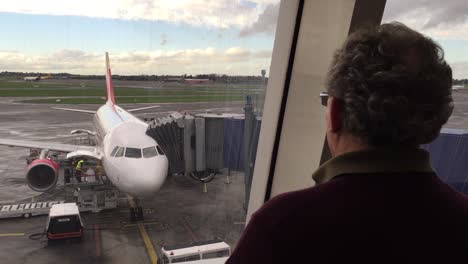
(64, 222)
(216, 251)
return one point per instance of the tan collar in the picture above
(374, 161)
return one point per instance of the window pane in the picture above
(204, 62)
(211, 255)
(133, 153)
(192, 258)
(120, 152)
(149, 152)
(114, 151)
(160, 150)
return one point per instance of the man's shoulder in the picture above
(283, 206)
(355, 190)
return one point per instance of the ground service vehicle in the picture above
(64, 222)
(209, 250)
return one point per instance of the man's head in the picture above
(387, 86)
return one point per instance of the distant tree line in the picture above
(220, 78)
(460, 82)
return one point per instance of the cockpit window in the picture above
(149, 152)
(114, 151)
(120, 152)
(160, 150)
(133, 153)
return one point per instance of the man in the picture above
(79, 170)
(377, 200)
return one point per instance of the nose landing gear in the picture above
(136, 211)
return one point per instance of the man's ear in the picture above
(335, 108)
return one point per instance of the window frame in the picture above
(290, 70)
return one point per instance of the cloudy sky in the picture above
(181, 36)
(444, 21)
(142, 36)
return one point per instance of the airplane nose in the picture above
(151, 181)
(150, 176)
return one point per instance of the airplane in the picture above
(457, 87)
(133, 161)
(48, 76)
(37, 78)
(32, 78)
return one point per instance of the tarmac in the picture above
(179, 213)
(459, 118)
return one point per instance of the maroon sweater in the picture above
(362, 216)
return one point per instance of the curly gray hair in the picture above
(395, 86)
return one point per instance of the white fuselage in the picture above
(137, 174)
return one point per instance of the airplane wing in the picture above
(75, 110)
(46, 145)
(142, 108)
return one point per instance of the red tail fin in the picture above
(109, 84)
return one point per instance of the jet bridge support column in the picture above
(189, 144)
(200, 153)
(248, 132)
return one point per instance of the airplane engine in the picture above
(42, 174)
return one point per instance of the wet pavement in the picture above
(179, 213)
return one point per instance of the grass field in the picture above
(124, 100)
(100, 92)
(92, 92)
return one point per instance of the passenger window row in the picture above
(136, 152)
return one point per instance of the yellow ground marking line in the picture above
(147, 223)
(11, 234)
(148, 244)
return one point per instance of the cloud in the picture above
(263, 53)
(233, 61)
(456, 32)
(431, 13)
(460, 69)
(215, 14)
(237, 52)
(265, 23)
(440, 20)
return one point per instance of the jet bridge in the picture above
(202, 145)
(202, 142)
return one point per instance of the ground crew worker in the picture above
(99, 173)
(76, 194)
(79, 170)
